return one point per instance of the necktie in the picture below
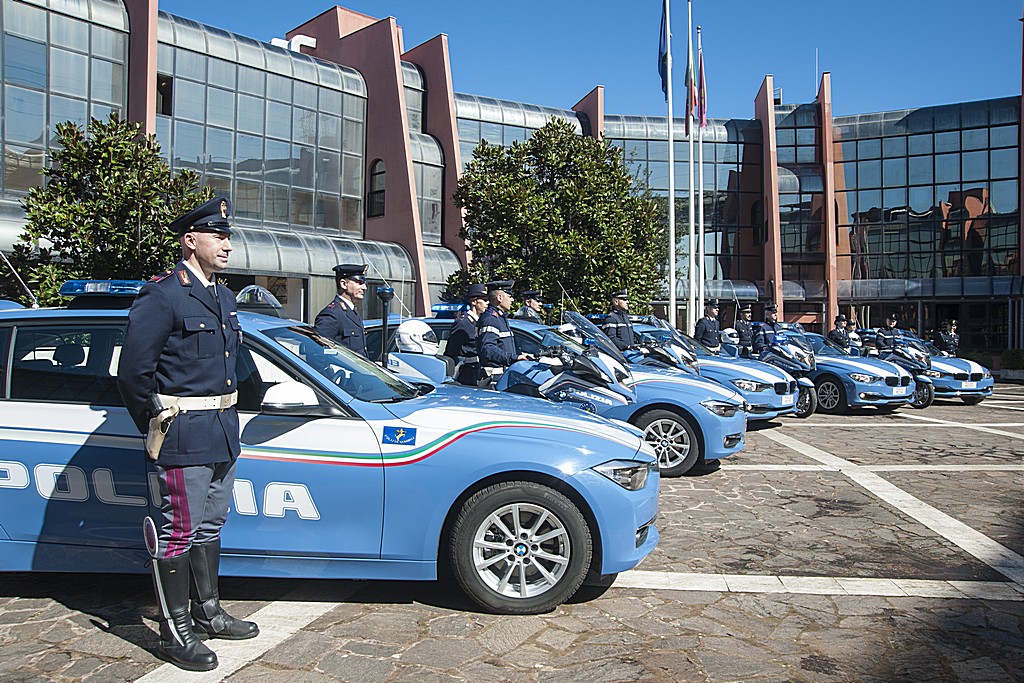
(213, 292)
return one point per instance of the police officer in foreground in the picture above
(745, 330)
(179, 356)
(946, 339)
(494, 342)
(886, 336)
(839, 335)
(708, 330)
(531, 308)
(461, 346)
(616, 324)
(340, 319)
(766, 334)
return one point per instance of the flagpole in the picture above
(691, 302)
(671, 175)
(701, 274)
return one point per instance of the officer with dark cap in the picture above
(178, 356)
(886, 336)
(531, 308)
(839, 335)
(708, 330)
(495, 345)
(617, 325)
(946, 339)
(766, 334)
(461, 344)
(340, 319)
(745, 330)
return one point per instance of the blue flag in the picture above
(663, 54)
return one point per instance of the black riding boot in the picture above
(211, 621)
(178, 642)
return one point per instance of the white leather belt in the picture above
(199, 402)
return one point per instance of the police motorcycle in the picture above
(917, 362)
(789, 351)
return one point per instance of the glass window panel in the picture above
(24, 62)
(107, 43)
(920, 144)
(163, 137)
(69, 72)
(469, 131)
(849, 175)
(658, 179)
(278, 162)
(250, 114)
(786, 155)
(352, 137)
(329, 133)
(921, 199)
(894, 198)
(868, 200)
(514, 134)
(1004, 136)
(164, 59)
(355, 107)
(328, 171)
(894, 172)
(279, 88)
(188, 64)
(218, 150)
(279, 120)
(1005, 196)
(430, 221)
(352, 176)
(330, 101)
(248, 200)
(22, 168)
(302, 166)
(103, 111)
(219, 185)
(948, 141)
(658, 151)
(304, 126)
(68, 32)
(944, 193)
(352, 217)
(726, 152)
(222, 73)
(491, 132)
(328, 211)
(188, 146)
(1004, 163)
(869, 149)
(220, 109)
(25, 20)
(249, 156)
(24, 115)
(947, 168)
(806, 136)
(432, 181)
(869, 173)
(304, 96)
(108, 81)
(975, 165)
(784, 136)
(275, 204)
(975, 139)
(849, 150)
(894, 147)
(921, 170)
(251, 81)
(806, 155)
(65, 109)
(189, 100)
(302, 208)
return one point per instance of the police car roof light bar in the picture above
(77, 288)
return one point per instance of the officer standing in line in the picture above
(179, 356)
(745, 330)
(851, 332)
(708, 330)
(616, 324)
(531, 308)
(885, 337)
(947, 339)
(766, 334)
(839, 335)
(495, 345)
(340, 319)
(461, 344)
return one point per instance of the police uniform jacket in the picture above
(528, 314)
(494, 342)
(618, 328)
(841, 337)
(766, 335)
(947, 341)
(340, 321)
(885, 338)
(180, 341)
(707, 332)
(461, 347)
(745, 331)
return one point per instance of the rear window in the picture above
(74, 363)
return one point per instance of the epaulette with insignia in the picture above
(161, 276)
(333, 304)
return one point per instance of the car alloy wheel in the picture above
(831, 395)
(675, 442)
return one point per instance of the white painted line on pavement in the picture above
(997, 404)
(876, 425)
(947, 423)
(278, 621)
(944, 468)
(995, 555)
(819, 585)
(777, 468)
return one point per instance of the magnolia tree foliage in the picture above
(560, 213)
(103, 210)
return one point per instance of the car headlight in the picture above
(862, 378)
(628, 474)
(987, 375)
(750, 385)
(721, 408)
(932, 373)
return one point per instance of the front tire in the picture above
(806, 402)
(831, 395)
(673, 439)
(972, 400)
(924, 396)
(520, 548)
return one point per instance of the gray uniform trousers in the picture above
(194, 505)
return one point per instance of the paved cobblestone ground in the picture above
(747, 518)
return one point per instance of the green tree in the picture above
(561, 213)
(103, 210)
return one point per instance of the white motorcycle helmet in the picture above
(730, 336)
(415, 336)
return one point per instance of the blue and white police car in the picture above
(955, 377)
(346, 471)
(845, 381)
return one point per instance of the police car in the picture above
(845, 381)
(346, 471)
(955, 377)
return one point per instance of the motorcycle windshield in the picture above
(592, 332)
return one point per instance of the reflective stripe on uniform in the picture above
(493, 330)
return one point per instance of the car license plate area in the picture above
(970, 385)
(787, 400)
(899, 391)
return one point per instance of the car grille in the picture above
(783, 388)
(961, 376)
(902, 381)
(976, 376)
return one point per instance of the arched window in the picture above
(375, 199)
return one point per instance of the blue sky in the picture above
(883, 54)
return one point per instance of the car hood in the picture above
(744, 369)
(689, 385)
(869, 366)
(954, 365)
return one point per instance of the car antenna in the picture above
(35, 301)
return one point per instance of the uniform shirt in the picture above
(885, 338)
(947, 341)
(766, 335)
(841, 337)
(461, 347)
(180, 341)
(340, 321)
(618, 328)
(494, 342)
(707, 332)
(528, 314)
(745, 331)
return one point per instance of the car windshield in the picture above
(825, 347)
(591, 331)
(554, 338)
(355, 375)
(694, 346)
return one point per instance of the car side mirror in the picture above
(289, 398)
